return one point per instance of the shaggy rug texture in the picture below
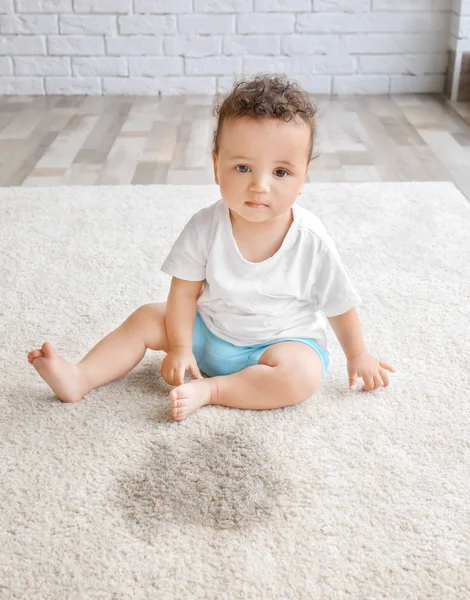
(347, 495)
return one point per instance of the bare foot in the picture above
(189, 397)
(62, 377)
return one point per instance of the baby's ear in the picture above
(216, 172)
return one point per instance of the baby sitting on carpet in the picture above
(254, 278)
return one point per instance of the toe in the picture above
(177, 393)
(48, 350)
(179, 416)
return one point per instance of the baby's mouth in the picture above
(255, 204)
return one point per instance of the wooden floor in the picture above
(98, 140)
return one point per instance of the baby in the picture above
(255, 277)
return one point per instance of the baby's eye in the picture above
(242, 168)
(281, 173)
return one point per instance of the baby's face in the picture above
(261, 165)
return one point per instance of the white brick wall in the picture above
(460, 25)
(464, 25)
(459, 40)
(197, 46)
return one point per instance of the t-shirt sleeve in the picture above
(331, 288)
(186, 259)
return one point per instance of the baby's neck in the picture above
(259, 241)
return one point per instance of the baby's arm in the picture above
(360, 363)
(179, 321)
(347, 328)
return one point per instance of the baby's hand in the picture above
(176, 362)
(370, 369)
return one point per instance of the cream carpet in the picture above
(348, 495)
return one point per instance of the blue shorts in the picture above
(215, 356)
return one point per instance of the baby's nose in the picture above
(260, 184)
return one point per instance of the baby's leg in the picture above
(114, 356)
(288, 373)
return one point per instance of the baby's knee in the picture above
(149, 312)
(300, 381)
(149, 319)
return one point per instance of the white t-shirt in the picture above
(246, 303)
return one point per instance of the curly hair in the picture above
(265, 95)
